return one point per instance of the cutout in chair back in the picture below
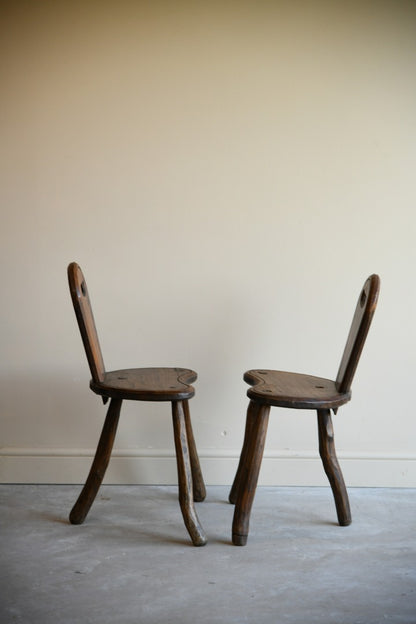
(86, 323)
(361, 322)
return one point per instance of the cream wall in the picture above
(227, 174)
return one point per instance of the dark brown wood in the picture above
(137, 384)
(294, 390)
(331, 466)
(83, 311)
(259, 416)
(363, 315)
(147, 384)
(239, 477)
(99, 466)
(186, 500)
(297, 391)
(198, 485)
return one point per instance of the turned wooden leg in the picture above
(198, 485)
(243, 456)
(99, 465)
(331, 466)
(249, 474)
(186, 499)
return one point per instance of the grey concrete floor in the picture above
(132, 562)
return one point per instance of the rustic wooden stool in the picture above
(137, 384)
(280, 389)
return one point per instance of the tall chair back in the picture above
(360, 325)
(86, 323)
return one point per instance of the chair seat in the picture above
(147, 384)
(294, 390)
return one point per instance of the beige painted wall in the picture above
(227, 174)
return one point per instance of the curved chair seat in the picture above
(294, 390)
(147, 384)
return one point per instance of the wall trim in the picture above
(157, 466)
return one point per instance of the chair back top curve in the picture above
(86, 323)
(366, 305)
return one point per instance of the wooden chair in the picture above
(276, 388)
(137, 384)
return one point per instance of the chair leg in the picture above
(331, 466)
(198, 485)
(186, 499)
(102, 457)
(243, 455)
(249, 473)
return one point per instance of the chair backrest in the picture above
(85, 318)
(360, 325)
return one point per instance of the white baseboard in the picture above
(149, 467)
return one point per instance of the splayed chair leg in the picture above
(102, 457)
(258, 415)
(331, 466)
(198, 484)
(243, 455)
(186, 499)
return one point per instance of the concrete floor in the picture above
(132, 561)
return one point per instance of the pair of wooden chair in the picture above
(268, 388)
